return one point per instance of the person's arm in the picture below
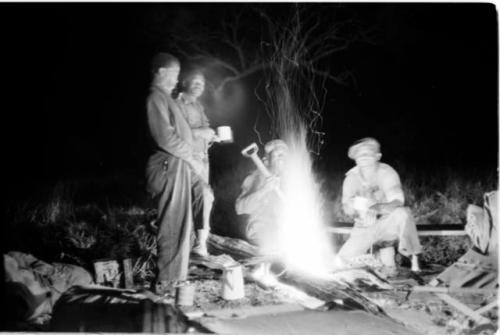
(208, 134)
(204, 131)
(348, 195)
(252, 193)
(163, 132)
(205, 123)
(390, 184)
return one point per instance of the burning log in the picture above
(334, 290)
(236, 248)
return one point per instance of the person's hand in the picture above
(206, 133)
(360, 204)
(197, 167)
(377, 208)
(370, 217)
(272, 183)
(199, 155)
(210, 134)
(384, 208)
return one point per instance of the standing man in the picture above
(192, 88)
(173, 174)
(373, 196)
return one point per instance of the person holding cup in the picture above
(191, 89)
(372, 194)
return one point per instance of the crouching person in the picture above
(372, 194)
(260, 201)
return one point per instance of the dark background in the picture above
(76, 77)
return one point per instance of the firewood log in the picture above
(326, 290)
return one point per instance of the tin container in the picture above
(232, 283)
(184, 295)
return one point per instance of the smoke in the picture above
(224, 103)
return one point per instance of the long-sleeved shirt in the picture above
(168, 126)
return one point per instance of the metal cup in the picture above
(225, 134)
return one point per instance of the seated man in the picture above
(373, 196)
(260, 200)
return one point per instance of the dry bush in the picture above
(68, 226)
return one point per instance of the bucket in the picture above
(232, 283)
(185, 294)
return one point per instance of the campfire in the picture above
(302, 240)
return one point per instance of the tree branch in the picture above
(242, 74)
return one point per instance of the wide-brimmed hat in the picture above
(367, 143)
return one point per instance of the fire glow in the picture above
(302, 241)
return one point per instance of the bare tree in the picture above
(247, 37)
(291, 44)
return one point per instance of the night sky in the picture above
(76, 77)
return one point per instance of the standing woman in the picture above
(192, 88)
(174, 175)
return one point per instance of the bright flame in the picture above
(303, 242)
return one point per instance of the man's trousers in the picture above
(398, 225)
(182, 197)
